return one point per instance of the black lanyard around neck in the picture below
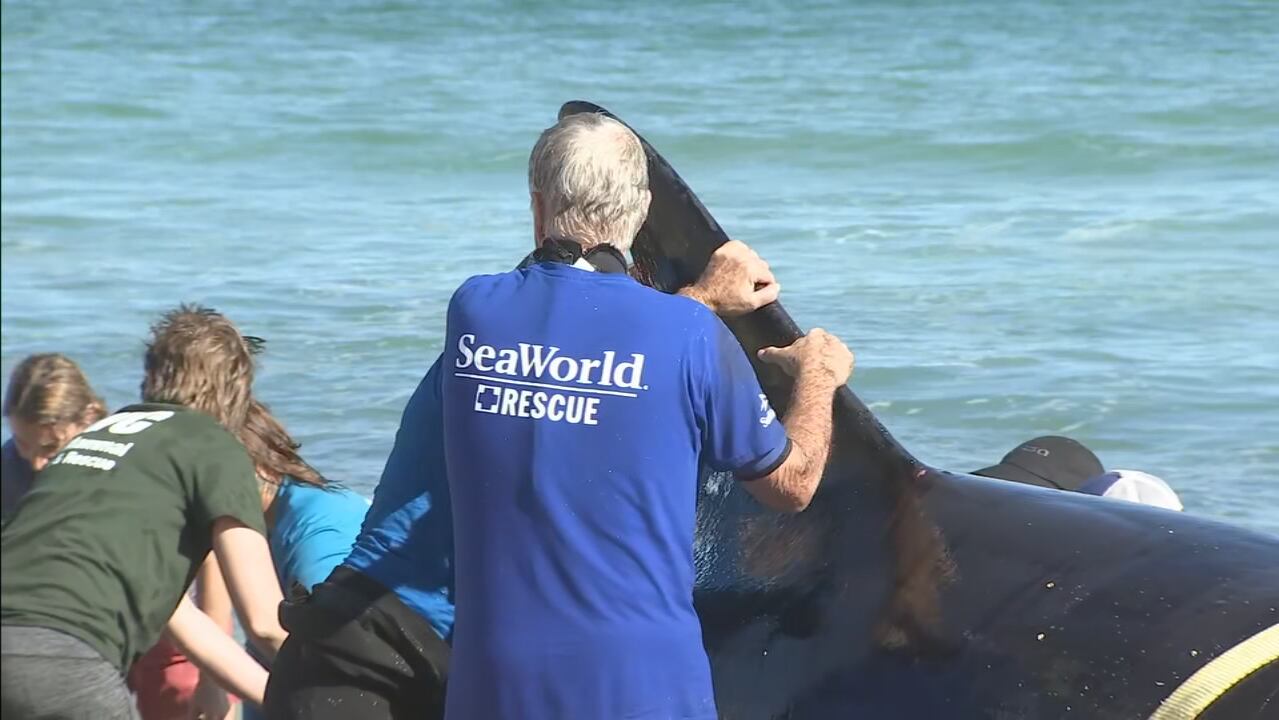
(604, 258)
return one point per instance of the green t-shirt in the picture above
(118, 523)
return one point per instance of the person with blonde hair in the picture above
(49, 401)
(98, 558)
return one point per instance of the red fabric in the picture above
(164, 681)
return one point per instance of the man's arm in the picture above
(820, 363)
(737, 281)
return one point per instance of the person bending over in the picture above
(578, 407)
(311, 524)
(311, 521)
(370, 642)
(48, 402)
(99, 556)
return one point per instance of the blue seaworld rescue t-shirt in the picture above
(313, 532)
(576, 408)
(406, 543)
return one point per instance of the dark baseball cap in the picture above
(1049, 461)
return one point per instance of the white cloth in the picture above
(1139, 487)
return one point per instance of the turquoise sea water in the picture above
(1025, 217)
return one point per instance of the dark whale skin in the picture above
(905, 591)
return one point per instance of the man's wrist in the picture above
(692, 292)
(816, 375)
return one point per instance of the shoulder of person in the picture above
(9, 451)
(686, 317)
(485, 280)
(671, 302)
(702, 321)
(310, 507)
(12, 465)
(9, 454)
(298, 491)
(331, 495)
(203, 426)
(191, 429)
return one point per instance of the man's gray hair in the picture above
(592, 175)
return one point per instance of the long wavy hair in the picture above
(273, 450)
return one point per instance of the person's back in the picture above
(578, 408)
(98, 557)
(109, 517)
(571, 410)
(591, 397)
(312, 530)
(312, 522)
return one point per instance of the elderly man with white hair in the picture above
(579, 404)
(578, 407)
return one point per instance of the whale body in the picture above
(905, 591)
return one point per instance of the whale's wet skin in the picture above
(908, 592)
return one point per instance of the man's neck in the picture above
(600, 257)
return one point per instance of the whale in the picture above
(907, 591)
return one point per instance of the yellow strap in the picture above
(1224, 672)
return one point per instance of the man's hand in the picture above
(736, 281)
(820, 363)
(818, 355)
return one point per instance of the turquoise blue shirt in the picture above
(313, 533)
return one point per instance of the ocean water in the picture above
(1025, 217)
